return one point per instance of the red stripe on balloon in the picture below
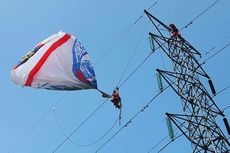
(43, 59)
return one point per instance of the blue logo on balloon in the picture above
(82, 67)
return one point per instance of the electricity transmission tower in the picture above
(198, 121)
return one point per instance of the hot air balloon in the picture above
(60, 62)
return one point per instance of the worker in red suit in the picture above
(116, 98)
(174, 30)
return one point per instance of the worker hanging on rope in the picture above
(116, 98)
(174, 30)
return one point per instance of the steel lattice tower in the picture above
(198, 123)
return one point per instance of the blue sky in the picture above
(98, 24)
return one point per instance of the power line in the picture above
(134, 71)
(183, 122)
(29, 131)
(227, 87)
(141, 65)
(128, 29)
(215, 53)
(163, 44)
(199, 15)
(130, 120)
(67, 138)
(163, 139)
(104, 102)
(123, 34)
(107, 50)
(158, 144)
(206, 60)
(35, 125)
(214, 47)
(132, 55)
(170, 143)
(46, 114)
(226, 107)
(83, 145)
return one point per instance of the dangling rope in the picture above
(104, 102)
(147, 58)
(76, 129)
(126, 68)
(82, 145)
(130, 59)
(132, 118)
(35, 125)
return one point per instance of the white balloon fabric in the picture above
(60, 62)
